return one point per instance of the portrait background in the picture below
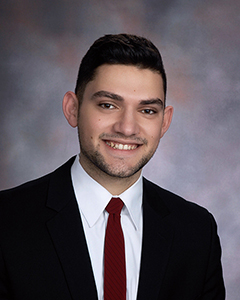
(42, 43)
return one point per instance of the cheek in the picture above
(88, 123)
(90, 128)
(153, 132)
(154, 140)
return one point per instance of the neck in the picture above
(115, 185)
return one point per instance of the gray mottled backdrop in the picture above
(42, 43)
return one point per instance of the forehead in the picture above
(127, 81)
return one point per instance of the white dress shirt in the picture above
(92, 199)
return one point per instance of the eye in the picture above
(148, 111)
(107, 106)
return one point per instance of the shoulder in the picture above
(36, 185)
(25, 208)
(193, 232)
(179, 208)
(26, 190)
(32, 194)
(189, 221)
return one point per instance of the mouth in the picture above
(120, 146)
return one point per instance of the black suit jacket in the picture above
(44, 255)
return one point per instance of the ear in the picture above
(70, 108)
(167, 119)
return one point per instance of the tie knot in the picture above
(114, 206)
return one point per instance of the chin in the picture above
(120, 171)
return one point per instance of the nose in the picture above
(127, 124)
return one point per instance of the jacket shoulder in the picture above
(33, 186)
(31, 196)
(159, 197)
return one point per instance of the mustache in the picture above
(140, 140)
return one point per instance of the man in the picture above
(54, 234)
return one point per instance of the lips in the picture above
(120, 146)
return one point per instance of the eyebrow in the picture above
(157, 101)
(116, 97)
(106, 94)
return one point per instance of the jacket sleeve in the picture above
(4, 284)
(214, 286)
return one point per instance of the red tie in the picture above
(114, 254)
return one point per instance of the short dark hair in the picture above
(124, 49)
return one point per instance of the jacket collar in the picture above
(67, 234)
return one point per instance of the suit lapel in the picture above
(68, 237)
(157, 239)
(67, 234)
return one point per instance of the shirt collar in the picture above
(92, 197)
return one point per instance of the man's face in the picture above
(121, 120)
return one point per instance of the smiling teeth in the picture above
(121, 146)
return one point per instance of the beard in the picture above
(120, 169)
